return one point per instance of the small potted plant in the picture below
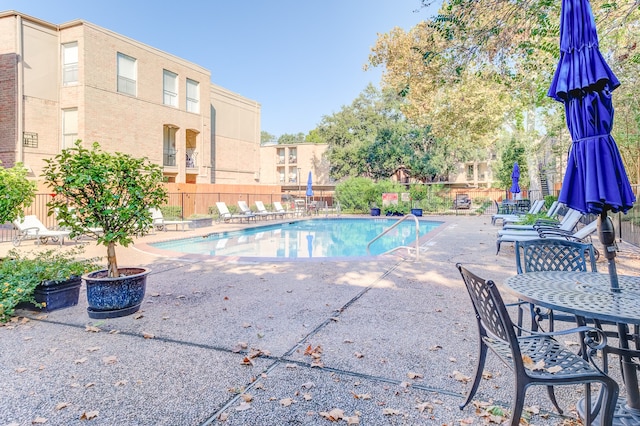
(418, 193)
(114, 192)
(45, 281)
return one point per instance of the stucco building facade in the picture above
(60, 83)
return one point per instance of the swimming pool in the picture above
(313, 238)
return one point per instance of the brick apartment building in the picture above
(59, 83)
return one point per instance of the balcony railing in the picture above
(169, 158)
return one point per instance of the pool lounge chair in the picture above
(226, 216)
(159, 222)
(280, 210)
(31, 227)
(552, 212)
(568, 223)
(262, 210)
(245, 209)
(581, 235)
(535, 208)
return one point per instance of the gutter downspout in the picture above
(20, 90)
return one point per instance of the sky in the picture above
(301, 60)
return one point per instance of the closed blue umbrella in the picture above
(309, 186)
(515, 177)
(595, 180)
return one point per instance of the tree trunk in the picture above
(112, 263)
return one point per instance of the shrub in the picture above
(16, 192)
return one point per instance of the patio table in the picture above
(588, 295)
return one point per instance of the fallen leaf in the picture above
(155, 294)
(347, 341)
(27, 338)
(93, 349)
(88, 415)
(533, 366)
(487, 375)
(554, 369)
(460, 377)
(247, 397)
(358, 355)
(286, 402)
(308, 385)
(148, 335)
(138, 316)
(223, 417)
(390, 412)
(108, 360)
(291, 366)
(80, 360)
(334, 415)
(120, 383)
(452, 359)
(240, 346)
(425, 406)
(435, 348)
(89, 385)
(246, 325)
(244, 406)
(353, 420)
(61, 405)
(182, 296)
(20, 370)
(246, 361)
(412, 375)
(92, 329)
(307, 397)
(38, 421)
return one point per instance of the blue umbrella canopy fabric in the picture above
(595, 180)
(309, 186)
(515, 177)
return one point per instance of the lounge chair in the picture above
(552, 212)
(580, 235)
(280, 210)
(262, 210)
(31, 227)
(568, 222)
(226, 216)
(245, 209)
(92, 231)
(159, 222)
(535, 208)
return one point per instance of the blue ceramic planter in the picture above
(115, 297)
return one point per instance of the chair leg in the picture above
(497, 247)
(478, 376)
(518, 405)
(554, 401)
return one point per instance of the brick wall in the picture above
(8, 108)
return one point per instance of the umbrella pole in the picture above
(607, 236)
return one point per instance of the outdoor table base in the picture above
(624, 416)
(588, 295)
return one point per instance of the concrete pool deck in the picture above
(387, 341)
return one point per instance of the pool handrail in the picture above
(402, 219)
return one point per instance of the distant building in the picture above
(60, 83)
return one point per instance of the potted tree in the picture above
(418, 193)
(114, 192)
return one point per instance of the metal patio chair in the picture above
(548, 254)
(498, 333)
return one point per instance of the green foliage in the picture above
(113, 191)
(16, 192)
(355, 194)
(171, 212)
(548, 200)
(21, 273)
(514, 151)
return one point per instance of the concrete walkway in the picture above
(381, 341)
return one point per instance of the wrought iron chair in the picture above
(547, 254)
(498, 333)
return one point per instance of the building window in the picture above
(293, 155)
(470, 169)
(127, 74)
(169, 145)
(70, 63)
(280, 153)
(193, 96)
(170, 87)
(69, 127)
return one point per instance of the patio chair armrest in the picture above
(547, 222)
(26, 230)
(553, 232)
(595, 339)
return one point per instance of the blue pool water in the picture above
(316, 238)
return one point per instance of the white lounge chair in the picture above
(552, 212)
(568, 222)
(277, 205)
(536, 206)
(580, 235)
(245, 209)
(31, 227)
(262, 210)
(159, 222)
(226, 216)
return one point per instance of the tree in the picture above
(267, 138)
(288, 139)
(113, 191)
(16, 192)
(514, 151)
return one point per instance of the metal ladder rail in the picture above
(393, 227)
